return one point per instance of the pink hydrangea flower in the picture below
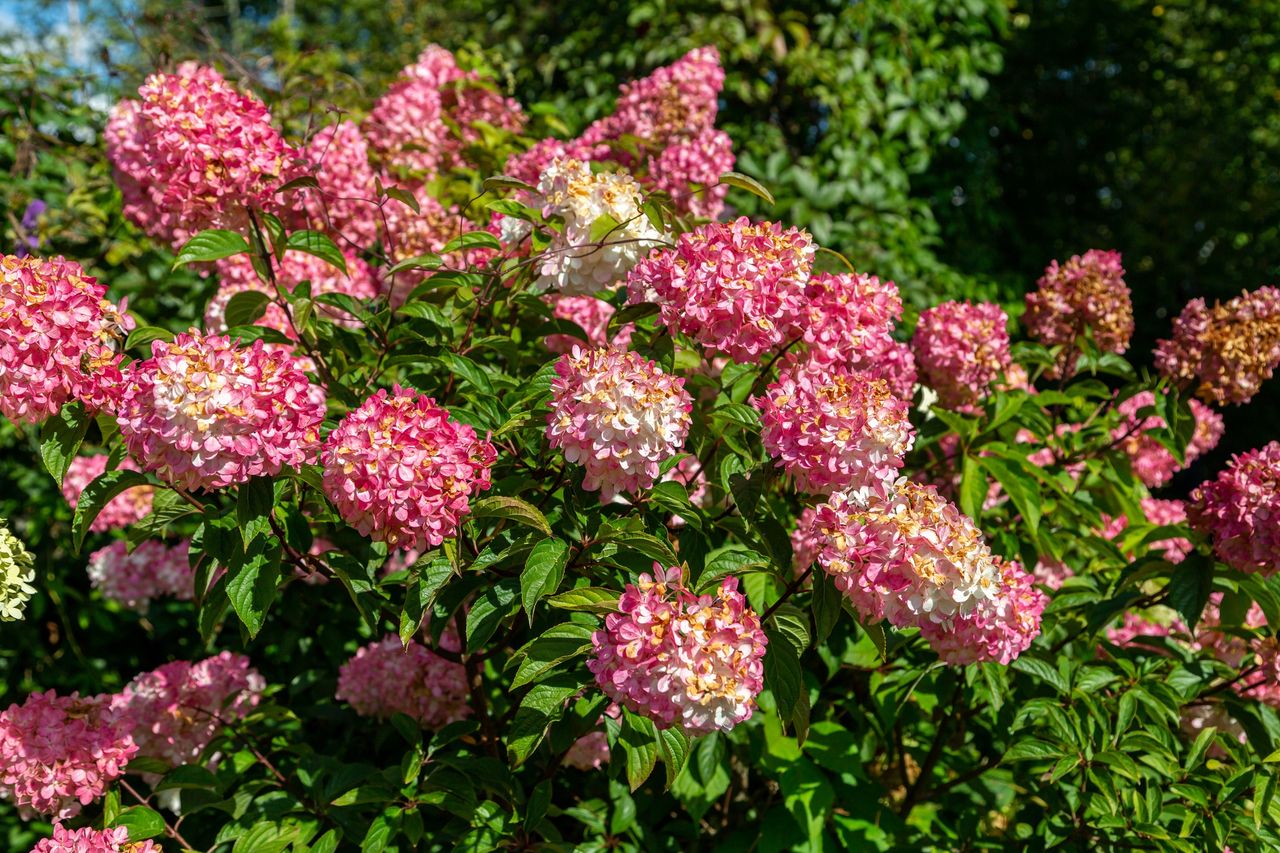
(806, 541)
(178, 709)
(1088, 291)
(426, 232)
(196, 153)
(237, 275)
(1154, 464)
(152, 570)
(1240, 511)
(59, 753)
(913, 559)
(833, 428)
(345, 201)
(205, 414)
(961, 349)
(124, 509)
(1224, 353)
(1167, 513)
(1051, 573)
(619, 416)
(90, 840)
(684, 660)
(997, 630)
(1134, 625)
(58, 336)
(735, 287)
(386, 678)
(401, 471)
(849, 318)
(592, 315)
(896, 366)
(689, 171)
(423, 124)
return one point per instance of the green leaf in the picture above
(428, 577)
(1032, 749)
(472, 240)
(494, 183)
(246, 307)
(142, 336)
(540, 707)
(253, 578)
(673, 745)
(1021, 487)
(404, 197)
(792, 624)
(417, 262)
(141, 822)
(497, 602)
(254, 502)
(973, 487)
(315, 243)
(643, 543)
(1042, 670)
(630, 314)
(211, 245)
(1190, 587)
(731, 561)
(751, 185)
(543, 572)
(587, 599)
(826, 605)
(541, 655)
(60, 439)
(514, 509)
(97, 495)
(782, 674)
(638, 738)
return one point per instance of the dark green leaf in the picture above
(246, 307)
(540, 707)
(254, 502)
(521, 512)
(315, 243)
(60, 439)
(252, 580)
(211, 246)
(97, 495)
(543, 571)
(638, 738)
(141, 822)
(498, 602)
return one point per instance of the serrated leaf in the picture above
(541, 655)
(497, 602)
(254, 502)
(1032, 749)
(638, 738)
(319, 245)
(417, 262)
(586, 599)
(472, 240)
(782, 674)
(253, 578)
(540, 707)
(141, 822)
(751, 185)
(60, 439)
(514, 509)
(1190, 587)
(404, 197)
(142, 336)
(673, 745)
(1042, 670)
(97, 495)
(211, 245)
(246, 307)
(543, 572)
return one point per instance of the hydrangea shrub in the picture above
(507, 467)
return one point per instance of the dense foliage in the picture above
(531, 449)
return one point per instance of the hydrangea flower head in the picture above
(1224, 353)
(58, 336)
(1087, 292)
(17, 572)
(1167, 513)
(1240, 511)
(59, 753)
(400, 470)
(196, 153)
(680, 659)
(735, 287)
(90, 840)
(960, 349)
(1154, 463)
(178, 709)
(205, 414)
(152, 570)
(850, 318)
(998, 629)
(832, 428)
(689, 171)
(386, 678)
(619, 416)
(580, 261)
(126, 508)
(344, 202)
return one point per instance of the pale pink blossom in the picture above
(961, 349)
(90, 840)
(387, 677)
(152, 570)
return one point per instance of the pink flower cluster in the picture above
(58, 336)
(1240, 511)
(344, 202)
(205, 414)
(914, 559)
(619, 416)
(400, 470)
(832, 428)
(58, 753)
(90, 840)
(1088, 291)
(425, 121)
(684, 660)
(1154, 464)
(196, 153)
(1167, 513)
(592, 315)
(736, 287)
(849, 318)
(152, 570)
(237, 275)
(1134, 625)
(129, 506)
(426, 232)
(178, 709)
(961, 348)
(386, 678)
(1224, 353)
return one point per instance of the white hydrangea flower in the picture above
(576, 263)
